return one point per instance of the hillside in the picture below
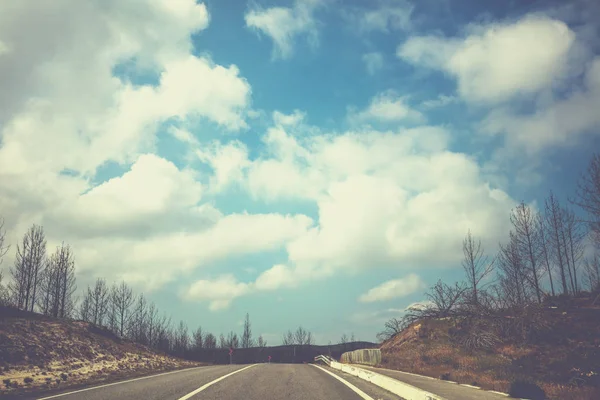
(38, 352)
(561, 355)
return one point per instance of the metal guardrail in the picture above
(326, 359)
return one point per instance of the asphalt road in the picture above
(247, 382)
(448, 390)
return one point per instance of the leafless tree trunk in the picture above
(541, 229)
(85, 307)
(588, 196)
(210, 341)
(181, 339)
(445, 298)
(300, 336)
(392, 327)
(28, 267)
(553, 216)
(247, 334)
(138, 321)
(198, 339)
(57, 284)
(261, 341)
(222, 342)
(4, 295)
(528, 242)
(592, 272)
(151, 324)
(121, 300)
(476, 265)
(512, 279)
(575, 246)
(232, 340)
(99, 302)
(288, 338)
(344, 339)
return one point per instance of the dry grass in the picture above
(55, 353)
(565, 362)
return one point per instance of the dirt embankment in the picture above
(42, 353)
(563, 358)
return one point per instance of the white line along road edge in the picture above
(201, 388)
(118, 383)
(351, 386)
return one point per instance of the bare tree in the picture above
(445, 299)
(182, 339)
(344, 339)
(545, 253)
(4, 294)
(553, 216)
(528, 243)
(164, 334)
(588, 196)
(28, 268)
(152, 321)
(574, 236)
(121, 300)
(233, 340)
(476, 265)
(139, 320)
(288, 338)
(222, 341)
(57, 284)
(210, 341)
(261, 341)
(198, 339)
(391, 328)
(592, 272)
(85, 307)
(513, 286)
(300, 336)
(99, 302)
(247, 334)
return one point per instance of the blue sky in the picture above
(310, 162)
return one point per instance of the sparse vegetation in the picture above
(510, 319)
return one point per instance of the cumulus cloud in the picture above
(393, 289)
(285, 24)
(220, 292)
(371, 210)
(373, 62)
(385, 16)
(498, 61)
(388, 106)
(149, 222)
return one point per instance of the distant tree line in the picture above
(543, 257)
(46, 283)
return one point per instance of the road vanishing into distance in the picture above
(243, 382)
(260, 382)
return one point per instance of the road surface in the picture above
(448, 390)
(243, 382)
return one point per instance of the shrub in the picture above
(48, 380)
(445, 376)
(28, 379)
(6, 383)
(64, 376)
(57, 381)
(526, 390)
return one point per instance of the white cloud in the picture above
(220, 292)
(183, 135)
(558, 123)
(284, 24)
(388, 106)
(499, 61)
(385, 17)
(373, 61)
(292, 119)
(227, 161)
(441, 101)
(393, 289)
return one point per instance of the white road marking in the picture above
(351, 386)
(118, 383)
(187, 396)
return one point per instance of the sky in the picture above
(309, 162)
